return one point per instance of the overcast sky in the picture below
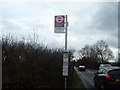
(88, 22)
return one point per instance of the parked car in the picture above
(107, 78)
(81, 68)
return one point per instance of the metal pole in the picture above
(66, 34)
(65, 83)
(66, 49)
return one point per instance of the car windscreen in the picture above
(114, 74)
(107, 65)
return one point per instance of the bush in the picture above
(30, 65)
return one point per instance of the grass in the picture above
(77, 82)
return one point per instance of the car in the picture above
(107, 78)
(81, 68)
(105, 66)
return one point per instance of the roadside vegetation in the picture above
(119, 57)
(77, 82)
(92, 55)
(31, 65)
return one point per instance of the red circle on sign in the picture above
(59, 19)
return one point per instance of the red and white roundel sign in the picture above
(59, 19)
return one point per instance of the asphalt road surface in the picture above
(87, 78)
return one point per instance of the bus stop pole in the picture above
(66, 48)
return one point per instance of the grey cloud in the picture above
(103, 23)
(88, 23)
(8, 26)
(107, 17)
(106, 20)
(119, 24)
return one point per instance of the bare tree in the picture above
(104, 53)
(88, 57)
(119, 57)
(94, 54)
(84, 52)
(88, 52)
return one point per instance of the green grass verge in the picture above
(77, 82)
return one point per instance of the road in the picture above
(87, 78)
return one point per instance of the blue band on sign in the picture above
(59, 25)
